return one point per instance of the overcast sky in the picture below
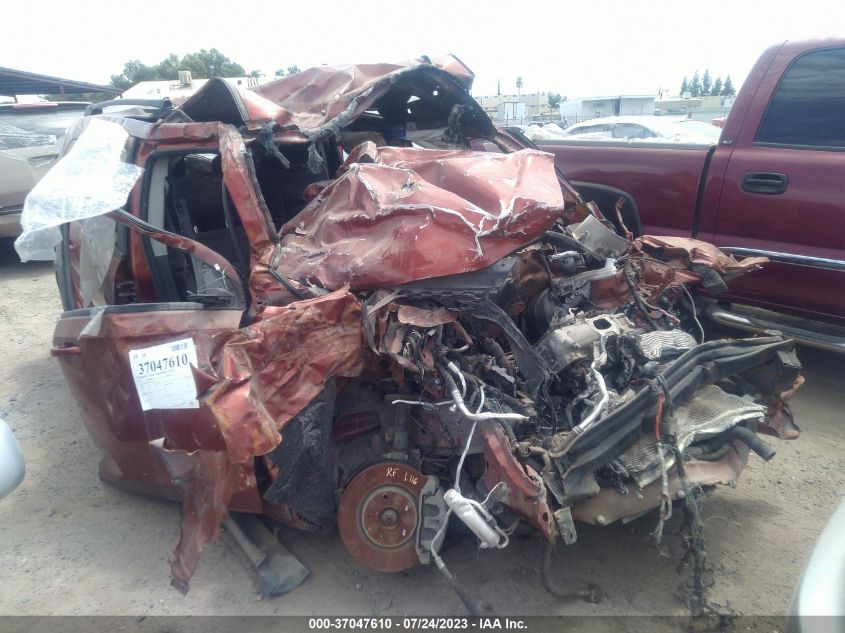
(575, 48)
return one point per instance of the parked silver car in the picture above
(11, 461)
(818, 605)
(30, 138)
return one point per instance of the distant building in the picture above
(697, 108)
(510, 112)
(184, 86)
(594, 107)
(517, 109)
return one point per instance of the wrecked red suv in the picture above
(344, 298)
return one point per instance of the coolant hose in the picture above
(744, 435)
(752, 441)
(565, 241)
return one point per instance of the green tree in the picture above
(210, 63)
(133, 72)
(717, 87)
(554, 100)
(706, 83)
(695, 85)
(255, 73)
(93, 97)
(290, 70)
(169, 68)
(684, 86)
(203, 65)
(519, 85)
(728, 89)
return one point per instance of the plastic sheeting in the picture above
(92, 179)
(96, 248)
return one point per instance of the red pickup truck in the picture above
(774, 185)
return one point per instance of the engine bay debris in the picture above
(399, 317)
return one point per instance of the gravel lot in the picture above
(73, 545)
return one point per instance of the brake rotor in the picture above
(378, 516)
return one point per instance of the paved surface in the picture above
(72, 545)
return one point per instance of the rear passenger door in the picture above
(784, 189)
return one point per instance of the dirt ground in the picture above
(70, 544)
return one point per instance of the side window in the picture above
(808, 106)
(185, 195)
(593, 129)
(284, 186)
(631, 130)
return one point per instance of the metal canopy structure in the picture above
(18, 82)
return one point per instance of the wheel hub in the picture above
(378, 516)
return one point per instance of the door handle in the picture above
(70, 350)
(764, 182)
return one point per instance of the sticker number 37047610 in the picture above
(163, 377)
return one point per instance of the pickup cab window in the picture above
(806, 108)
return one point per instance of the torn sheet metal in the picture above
(322, 98)
(683, 251)
(269, 371)
(526, 491)
(209, 481)
(418, 213)
(91, 180)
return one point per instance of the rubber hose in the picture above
(565, 241)
(548, 585)
(469, 603)
(753, 441)
(707, 453)
(744, 435)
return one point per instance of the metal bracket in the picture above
(566, 526)
(278, 570)
(432, 515)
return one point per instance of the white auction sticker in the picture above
(163, 376)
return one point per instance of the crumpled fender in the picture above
(269, 371)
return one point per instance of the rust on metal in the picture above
(378, 516)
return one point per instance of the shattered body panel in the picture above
(401, 310)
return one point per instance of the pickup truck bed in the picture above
(774, 185)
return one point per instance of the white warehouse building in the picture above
(594, 107)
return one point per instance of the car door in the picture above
(136, 371)
(784, 188)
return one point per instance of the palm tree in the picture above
(519, 85)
